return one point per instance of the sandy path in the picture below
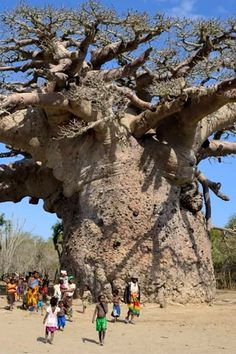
(178, 329)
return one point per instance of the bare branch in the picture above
(148, 120)
(124, 71)
(204, 101)
(207, 47)
(22, 100)
(207, 200)
(134, 99)
(102, 55)
(219, 120)
(214, 186)
(218, 148)
(27, 178)
(83, 46)
(25, 130)
(225, 230)
(8, 154)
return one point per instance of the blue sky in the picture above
(34, 218)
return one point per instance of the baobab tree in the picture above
(112, 114)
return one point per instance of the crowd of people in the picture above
(33, 293)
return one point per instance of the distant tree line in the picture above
(224, 254)
(22, 251)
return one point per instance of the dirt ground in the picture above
(178, 329)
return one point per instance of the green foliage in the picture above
(231, 224)
(57, 237)
(224, 255)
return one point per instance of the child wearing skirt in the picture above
(100, 311)
(50, 320)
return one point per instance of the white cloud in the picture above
(184, 8)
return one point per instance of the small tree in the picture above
(10, 242)
(57, 237)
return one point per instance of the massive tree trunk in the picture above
(128, 219)
(112, 141)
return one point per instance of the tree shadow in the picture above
(153, 160)
(6, 307)
(79, 311)
(161, 234)
(202, 269)
(89, 340)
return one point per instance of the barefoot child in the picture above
(101, 310)
(40, 305)
(116, 305)
(11, 293)
(25, 295)
(61, 316)
(50, 320)
(86, 298)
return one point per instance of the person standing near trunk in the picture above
(68, 296)
(132, 297)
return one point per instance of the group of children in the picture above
(61, 302)
(30, 290)
(55, 318)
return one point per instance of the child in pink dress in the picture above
(50, 320)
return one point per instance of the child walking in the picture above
(61, 316)
(50, 320)
(116, 305)
(11, 293)
(100, 311)
(86, 298)
(40, 305)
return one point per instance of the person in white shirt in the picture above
(68, 296)
(132, 299)
(57, 290)
(50, 320)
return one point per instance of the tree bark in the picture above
(130, 219)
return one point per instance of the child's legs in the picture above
(52, 337)
(10, 300)
(46, 333)
(61, 322)
(100, 336)
(103, 336)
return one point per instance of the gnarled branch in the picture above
(22, 100)
(215, 188)
(28, 179)
(102, 55)
(219, 120)
(124, 71)
(149, 119)
(217, 148)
